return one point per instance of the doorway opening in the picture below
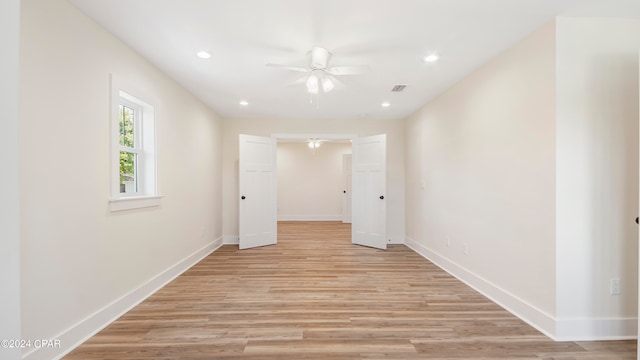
(312, 191)
(312, 183)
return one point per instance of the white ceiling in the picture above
(390, 36)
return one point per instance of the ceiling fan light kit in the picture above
(315, 80)
(312, 84)
(327, 85)
(314, 144)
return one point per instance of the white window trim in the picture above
(147, 195)
(139, 202)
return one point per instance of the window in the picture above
(134, 183)
(131, 154)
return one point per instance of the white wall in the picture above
(310, 183)
(9, 188)
(81, 264)
(484, 153)
(361, 127)
(597, 175)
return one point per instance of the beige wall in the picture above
(310, 183)
(531, 164)
(481, 179)
(78, 259)
(9, 190)
(597, 174)
(361, 127)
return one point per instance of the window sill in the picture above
(130, 203)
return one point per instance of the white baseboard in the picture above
(230, 240)
(337, 217)
(91, 325)
(556, 329)
(535, 317)
(596, 329)
(234, 240)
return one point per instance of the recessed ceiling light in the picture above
(203, 54)
(243, 103)
(385, 104)
(431, 58)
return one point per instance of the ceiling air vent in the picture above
(398, 88)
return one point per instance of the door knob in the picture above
(636, 220)
(344, 191)
(381, 197)
(243, 197)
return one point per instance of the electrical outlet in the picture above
(466, 249)
(615, 286)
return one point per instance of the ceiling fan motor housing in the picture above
(319, 57)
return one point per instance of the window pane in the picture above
(128, 172)
(127, 115)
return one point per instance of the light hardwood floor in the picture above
(316, 296)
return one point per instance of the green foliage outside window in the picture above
(127, 159)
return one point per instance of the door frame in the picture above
(313, 136)
(638, 305)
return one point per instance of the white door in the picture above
(346, 186)
(258, 186)
(369, 160)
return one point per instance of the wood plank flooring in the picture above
(316, 296)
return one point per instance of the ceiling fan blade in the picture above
(336, 81)
(299, 81)
(287, 67)
(348, 70)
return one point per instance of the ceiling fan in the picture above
(321, 75)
